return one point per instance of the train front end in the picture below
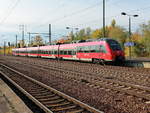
(116, 52)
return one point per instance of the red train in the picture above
(101, 50)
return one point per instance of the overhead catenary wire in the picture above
(9, 12)
(71, 14)
(114, 16)
(62, 4)
(78, 12)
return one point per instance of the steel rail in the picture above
(41, 105)
(131, 89)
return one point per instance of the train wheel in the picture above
(94, 61)
(102, 61)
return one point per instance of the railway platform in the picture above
(10, 102)
(138, 62)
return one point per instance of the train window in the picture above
(114, 45)
(61, 52)
(92, 49)
(97, 48)
(51, 52)
(86, 49)
(55, 52)
(65, 52)
(69, 52)
(40, 51)
(102, 49)
(73, 52)
(80, 49)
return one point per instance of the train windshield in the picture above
(114, 45)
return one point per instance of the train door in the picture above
(102, 52)
(74, 53)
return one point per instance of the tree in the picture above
(136, 37)
(81, 35)
(145, 32)
(117, 33)
(38, 41)
(97, 33)
(21, 44)
(113, 23)
(88, 32)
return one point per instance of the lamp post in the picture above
(29, 39)
(104, 31)
(130, 40)
(72, 29)
(22, 28)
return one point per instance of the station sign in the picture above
(129, 44)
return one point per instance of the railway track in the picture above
(93, 80)
(47, 98)
(119, 74)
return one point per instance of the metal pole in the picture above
(16, 42)
(23, 35)
(4, 48)
(29, 40)
(9, 48)
(50, 34)
(72, 35)
(104, 18)
(130, 37)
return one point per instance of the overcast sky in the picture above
(37, 14)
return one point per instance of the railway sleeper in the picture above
(45, 96)
(128, 91)
(63, 108)
(58, 104)
(49, 99)
(54, 101)
(36, 90)
(76, 111)
(41, 92)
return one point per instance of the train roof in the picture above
(71, 45)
